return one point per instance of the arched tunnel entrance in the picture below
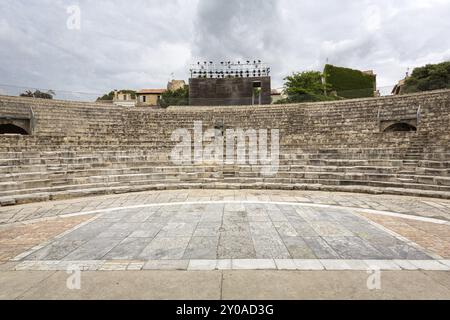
(9, 128)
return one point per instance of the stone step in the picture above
(42, 185)
(59, 195)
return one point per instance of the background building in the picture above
(124, 98)
(149, 97)
(229, 84)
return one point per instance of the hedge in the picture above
(349, 83)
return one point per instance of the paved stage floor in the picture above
(221, 232)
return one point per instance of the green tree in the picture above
(38, 94)
(106, 97)
(305, 86)
(429, 77)
(179, 97)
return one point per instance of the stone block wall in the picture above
(78, 149)
(227, 91)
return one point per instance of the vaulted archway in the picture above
(9, 128)
(400, 127)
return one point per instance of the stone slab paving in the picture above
(17, 239)
(427, 207)
(432, 236)
(300, 238)
(224, 230)
(236, 231)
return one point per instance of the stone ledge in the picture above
(232, 264)
(39, 197)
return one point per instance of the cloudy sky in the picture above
(140, 44)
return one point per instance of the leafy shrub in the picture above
(429, 77)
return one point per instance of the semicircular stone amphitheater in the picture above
(396, 145)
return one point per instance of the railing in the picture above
(32, 120)
(418, 115)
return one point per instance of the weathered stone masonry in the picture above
(79, 149)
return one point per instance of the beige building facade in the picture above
(149, 97)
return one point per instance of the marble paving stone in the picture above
(114, 234)
(353, 248)
(128, 249)
(304, 229)
(310, 214)
(212, 216)
(270, 247)
(236, 227)
(233, 245)
(236, 207)
(138, 217)
(330, 229)
(276, 216)
(165, 248)
(400, 251)
(298, 248)
(145, 233)
(368, 232)
(56, 250)
(202, 248)
(320, 248)
(259, 218)
(263, 229)
(207, 229)
(82, 234)
(235, 217)
(178, 229)
(93, 250)
(285, 229)
(124, 226)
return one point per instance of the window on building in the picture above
(144, 98)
